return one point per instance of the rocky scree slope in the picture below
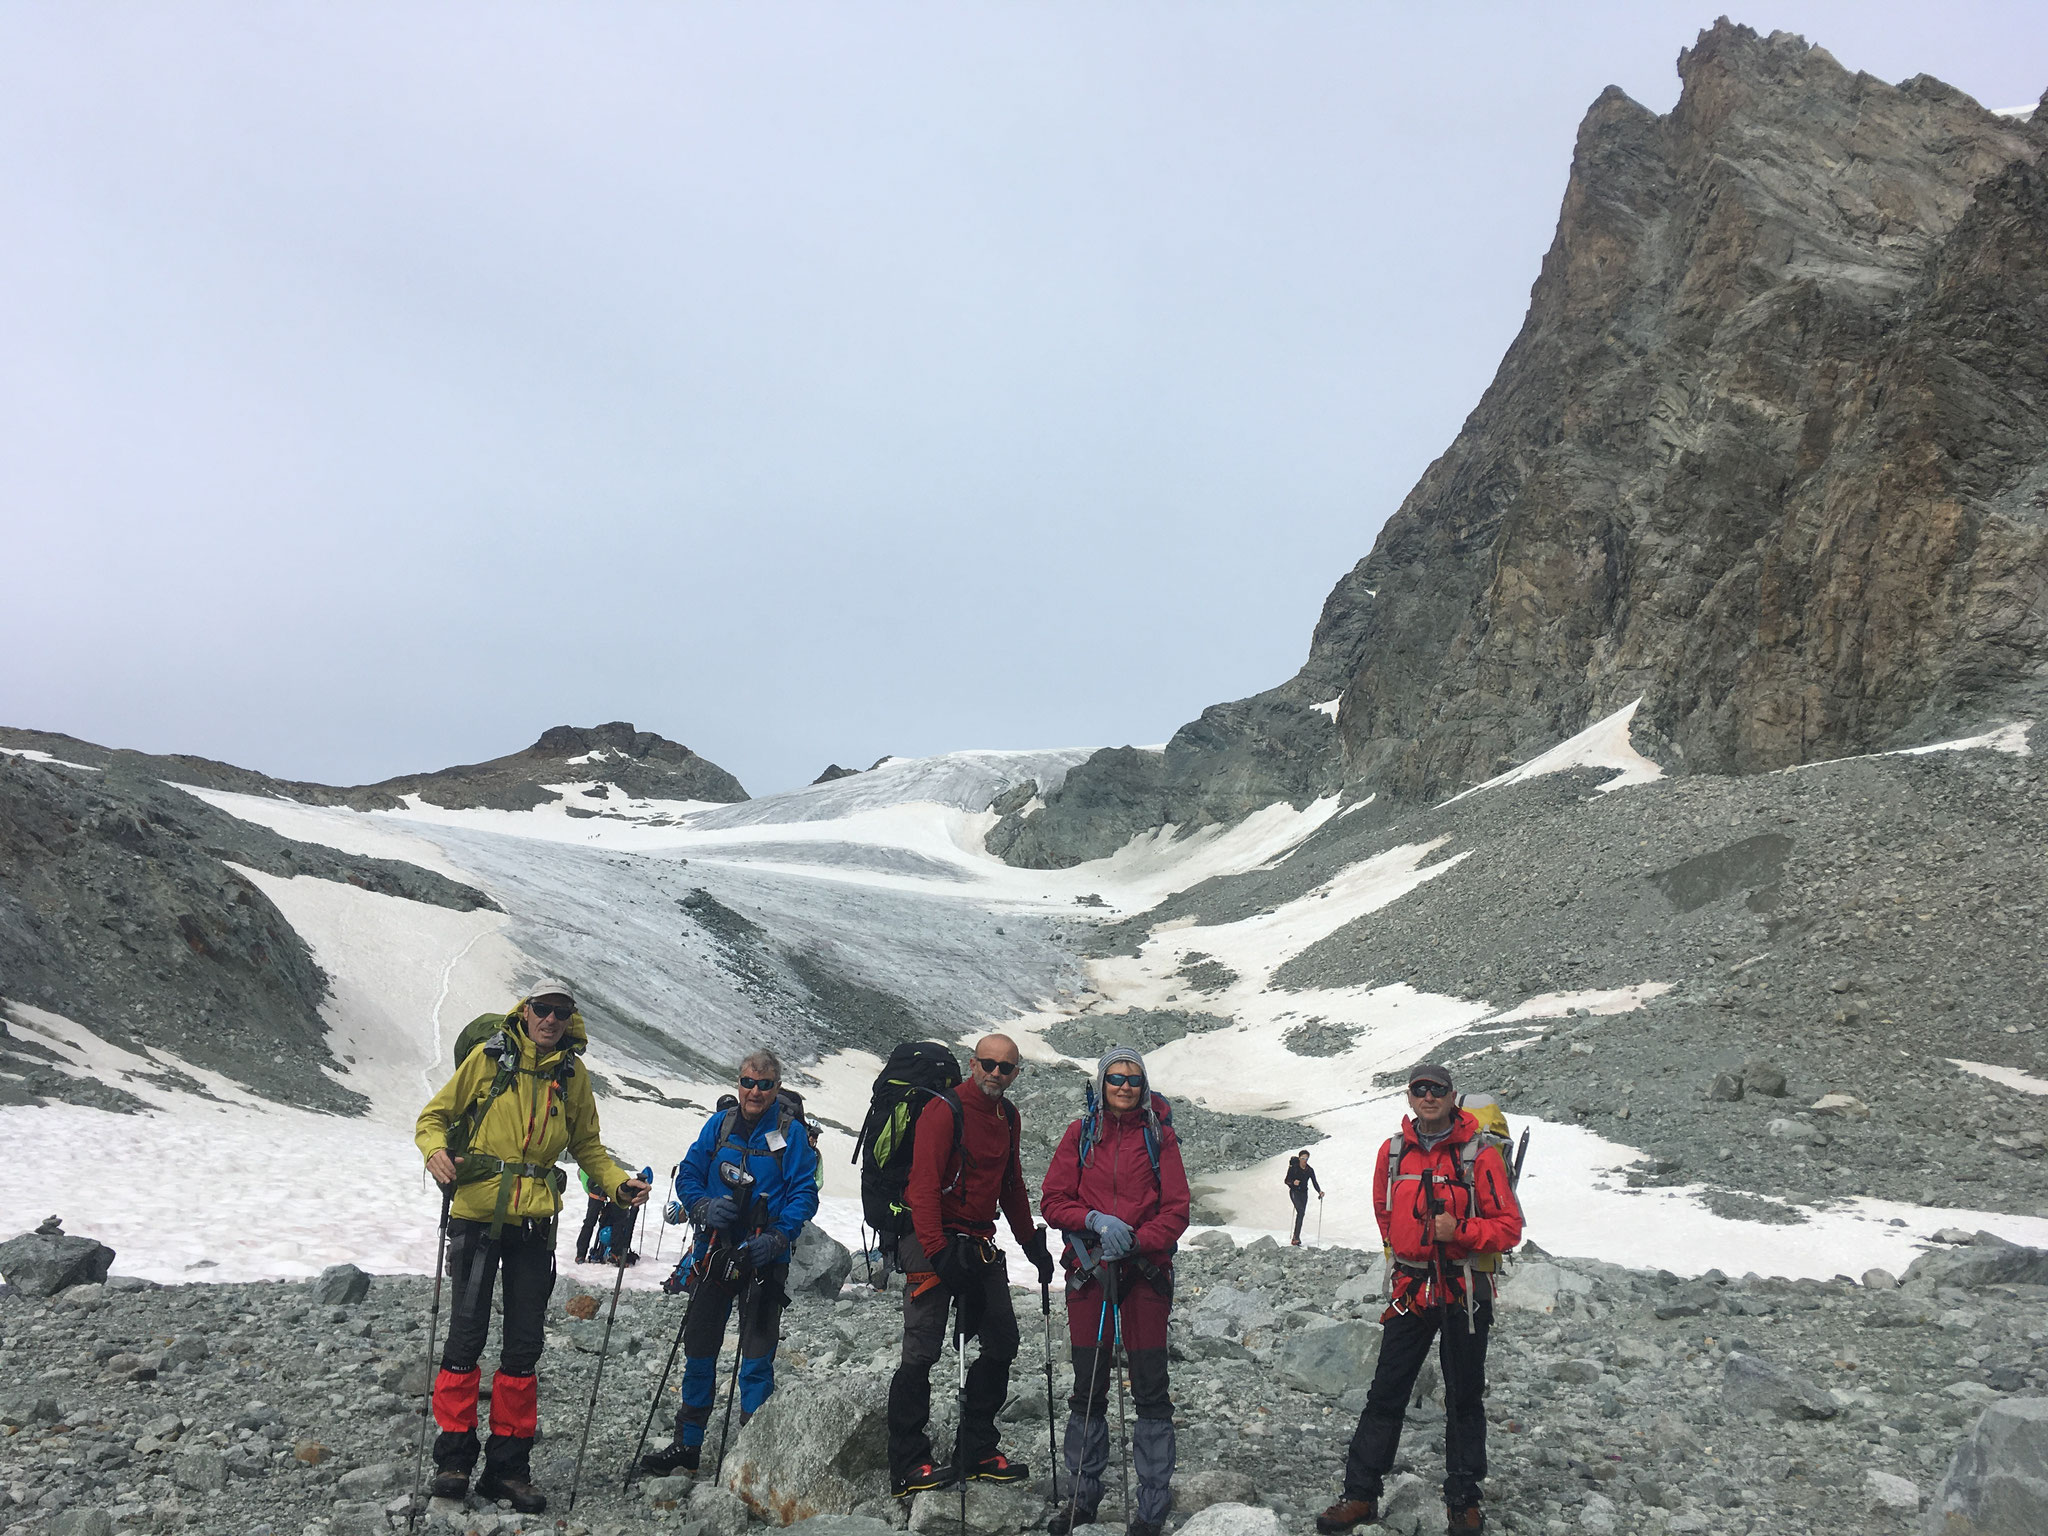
(1770, 452)
(1851, 927)
(1618, 1400)
(121, 907)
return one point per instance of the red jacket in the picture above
(1495, 1226)
(1118, 1180)
(989, 1173)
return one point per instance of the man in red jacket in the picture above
(963, 1164)
(1116, 1187)
(1448, 1201)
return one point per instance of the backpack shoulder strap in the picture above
(1396, 1146)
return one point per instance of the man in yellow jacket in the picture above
(491, 1137)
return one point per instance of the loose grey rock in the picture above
(720, 1510)
(818, 1451)
(1753, 1385)
(372, 1481)
(1233, 1520)
(1197, 1490)
(201, 1470)
(1329, 1361)
(1998, 1483)
(87, 1521)
(844, 1525)
(818, 1263)
(1889, 1491)
(340, 1285)
(42, 1264)
(993, 1509)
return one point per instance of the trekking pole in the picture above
(1437, 1278)
(597, 1377)
(1052, 1439)
(1123, 1431)
(1088, 1403)
(1522, 1151)
(1319, 1219)
(661, 1386)
(419, 1459)
(742, 1182)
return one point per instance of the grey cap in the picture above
(549, 986)
(1431, 1072)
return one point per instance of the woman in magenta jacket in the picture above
(1117, 1190)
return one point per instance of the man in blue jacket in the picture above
(742, 1247)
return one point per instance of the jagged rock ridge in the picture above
(1770, 452)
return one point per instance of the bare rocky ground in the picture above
(1618, 1401)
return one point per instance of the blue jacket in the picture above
(786, 1187)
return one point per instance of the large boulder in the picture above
(993, 1509)
(1329, 1361)
(44, 1263)
(1223, 1311)
(1989, 1260)
(1998, 1483)
(845, 1525)
(818, 1263)
(340, 1285)
(1535, 1286)
(820, 1451)
(1233, 1520)
(1751, 1385)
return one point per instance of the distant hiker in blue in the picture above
(743, 1236)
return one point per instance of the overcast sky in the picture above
(381, 384)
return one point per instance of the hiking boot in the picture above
(524, 1497)
(923, 1479)
(1294, 1243)
(1346, 1513)
(670, 1459)
(1464, 1520)
(1139, 1527)
(999, 1469)
(1059, 1524)
(451, 1484)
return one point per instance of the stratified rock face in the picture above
(1770, 452)
(1771, 449)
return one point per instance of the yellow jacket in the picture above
(507, 1171)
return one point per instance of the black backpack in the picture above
(916, 1072)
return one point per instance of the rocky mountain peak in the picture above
(617, 738)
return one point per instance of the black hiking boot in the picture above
(670, 1459)
(1139, 1527)
(999, 1469)
(1059, 1524)
(1347, 1513)
(523, 1496)
(924, 1478)
(449, 1483)
(1464, 1519)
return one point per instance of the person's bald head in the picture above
(993, 1066)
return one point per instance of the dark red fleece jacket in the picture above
(989, 1173)
(1118, 1181)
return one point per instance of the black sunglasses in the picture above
(1428, 1090)
(757, 1082)
(995, 1068)
(1124, 1079)
(552, 1011)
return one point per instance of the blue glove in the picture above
(672, 1213)
(716, 1211)
(764, 1248)
(1115, 1235)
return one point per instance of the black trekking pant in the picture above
(1300, 1199)
(594, 1208)
(925, 1332)
(523, 1260)
(1404, 1345)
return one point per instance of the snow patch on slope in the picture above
(1603, 744)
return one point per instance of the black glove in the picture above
(953, 1267)
(764, 1248)
(1040, 1256)
(716, 1211)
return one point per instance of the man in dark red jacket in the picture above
(949, 1259)
(1449, 1201)
(1116, 1187)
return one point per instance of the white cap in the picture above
(548, 986)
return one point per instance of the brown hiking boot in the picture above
(1459, 1522)
(1346, 1513)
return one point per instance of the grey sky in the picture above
(384, 383)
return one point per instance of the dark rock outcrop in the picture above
(834, 771)
(42, 1263)
(1770, 452)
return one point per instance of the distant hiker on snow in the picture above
(1299, 1177)
(950, 1257)
(1116, 1188)
(744, 1233)
(1446, 1210)
(491, 1138)
(607, 1234)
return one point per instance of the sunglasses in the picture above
(995, 1068)
(763, 1083)
(552, 1011)
(1428, 1090)
(1124, 1079)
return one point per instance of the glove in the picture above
(764, 1248)
(950, 1265)
(1040, 1256)
(716, 1212)
(1116, 1235)
(672, 1213)
(1083, 1244)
